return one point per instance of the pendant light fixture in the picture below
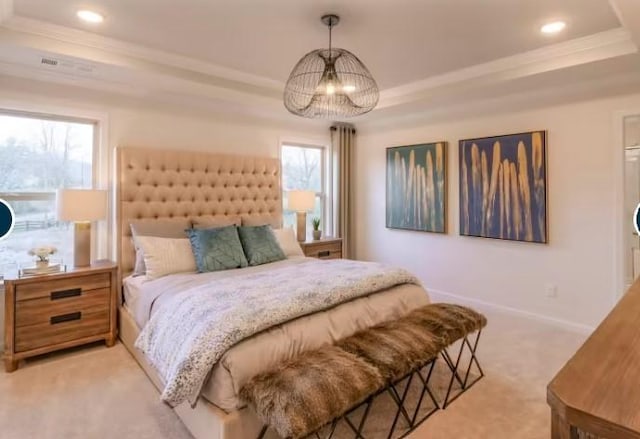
(330, 83)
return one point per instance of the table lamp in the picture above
(82, 206)
(300, 202)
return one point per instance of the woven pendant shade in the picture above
(330, 83)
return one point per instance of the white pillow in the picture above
(288, 242)
(163, 256)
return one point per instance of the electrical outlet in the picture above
(551, 291)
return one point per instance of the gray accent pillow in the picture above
(159, 228)
(217, 249)
(260, 245)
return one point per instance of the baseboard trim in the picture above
(442, 296)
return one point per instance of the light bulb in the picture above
(331, 89)
(90, 16)
(348, 88)
(553, 28)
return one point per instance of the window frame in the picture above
(325, 194)
(100, 246)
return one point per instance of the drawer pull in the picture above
(57, 295)
(65, 318)
(324, 254)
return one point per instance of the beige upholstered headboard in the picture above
(160, 184)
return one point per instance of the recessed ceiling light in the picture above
(90, 16)
(553, 27)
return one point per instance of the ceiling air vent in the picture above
(65, 65)
(49, 61)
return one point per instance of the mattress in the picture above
(132, 289)
(265, 350)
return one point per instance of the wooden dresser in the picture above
(325, 248)
(597, 393)
(57, 311)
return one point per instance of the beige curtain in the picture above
(343, 147)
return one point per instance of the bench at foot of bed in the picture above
(336, 388)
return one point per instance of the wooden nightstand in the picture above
(56, 311)
(325, 248)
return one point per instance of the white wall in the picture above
(147, 123)
(582, 215)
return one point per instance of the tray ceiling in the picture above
(430, 57)
(401, 41)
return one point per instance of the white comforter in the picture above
(268, 348)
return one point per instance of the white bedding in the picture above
(132, 287)
(267, 349)
(145, 292)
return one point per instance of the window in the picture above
(303, 168)
(37, 156)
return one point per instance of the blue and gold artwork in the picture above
(416, 187)
(503, 187)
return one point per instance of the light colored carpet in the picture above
(96, 392)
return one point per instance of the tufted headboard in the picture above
(161, 184)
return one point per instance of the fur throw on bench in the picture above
(315, 388)
(303, 394)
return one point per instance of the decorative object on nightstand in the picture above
(326, 248)
(301, 202)
(42, 255)
(56, 311)
(43, 263)
(317, 233)
(82, 206)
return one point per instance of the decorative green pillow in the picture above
(260, 245)
(217, 249)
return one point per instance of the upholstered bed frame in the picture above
(162, 184)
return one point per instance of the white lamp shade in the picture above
(301, 201)
(81, 204)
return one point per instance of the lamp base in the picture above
(82, 244)
(301, 222)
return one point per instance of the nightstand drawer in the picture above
(39, 311)
(84, 321)
(62, 287)
(330, 250)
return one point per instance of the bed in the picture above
(157, 184)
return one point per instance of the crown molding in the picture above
(6, 10)
(526, 100)
(126, 80)
(32, 73)
(628, 12)
(94, 41)
(123, 70)
(134, 70)
(596, 47)
(98, 93)
(607, 44)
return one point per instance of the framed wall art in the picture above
(416, 187)
(503, 187)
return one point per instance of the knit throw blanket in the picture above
(189, 334)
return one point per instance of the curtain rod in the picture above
(335, 127)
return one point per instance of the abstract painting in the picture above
(416, 187)
(503, 187)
